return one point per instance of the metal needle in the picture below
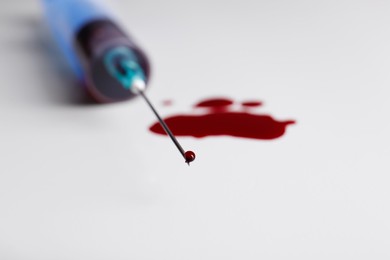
(189, 155)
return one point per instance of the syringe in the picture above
(108, 62)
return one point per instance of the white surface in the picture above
(90, 182)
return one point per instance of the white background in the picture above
(84, 181)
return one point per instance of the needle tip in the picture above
(189, 156)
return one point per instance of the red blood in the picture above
(238, 124)
(190, 156)
(224, 123)
(215, 103)
(251, 104)
(167, 102)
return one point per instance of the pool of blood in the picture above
(220, 119)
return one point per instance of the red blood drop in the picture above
(167, 102)
(190, 156)
(251, 104)
(215, 102)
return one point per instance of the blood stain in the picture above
(251, 104)
(215, 102)
(167, 102)
(221, 120)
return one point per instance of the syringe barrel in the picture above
(86, 32)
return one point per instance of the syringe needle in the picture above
(189, 156)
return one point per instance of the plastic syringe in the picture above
(108, 62)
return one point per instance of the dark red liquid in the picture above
(190, 156)
(215, 102)
(220, 121)
(251, 103)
